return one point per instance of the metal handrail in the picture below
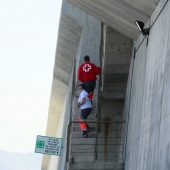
(98, 108)
(98, 121)
(70, 111)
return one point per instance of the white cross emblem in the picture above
(86, 67)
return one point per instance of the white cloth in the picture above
(87, 103)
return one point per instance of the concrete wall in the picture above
(117, 52)
(91, 32)
(147, 100)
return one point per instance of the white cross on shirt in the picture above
(86, 67)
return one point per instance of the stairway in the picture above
(85, 154)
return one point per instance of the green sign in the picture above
(40, 144)
(48, 145)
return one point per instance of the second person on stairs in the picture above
(86, 107)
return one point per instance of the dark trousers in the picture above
(90, 86)
(85, 112)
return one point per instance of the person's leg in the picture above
(85, 134)
(87, 86)
(91, 95)
(92, 85)
(88, 128)
(83, 126)
(84, 114)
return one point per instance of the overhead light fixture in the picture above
(140, 26)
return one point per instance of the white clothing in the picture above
(87, 103)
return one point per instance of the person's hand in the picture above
(78, 105)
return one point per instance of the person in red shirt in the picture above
(87, 75)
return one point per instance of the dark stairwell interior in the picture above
(117, 52)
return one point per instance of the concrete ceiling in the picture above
(119, 14)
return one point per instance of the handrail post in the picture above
(68, 141)
(98, 104)
(96, 143)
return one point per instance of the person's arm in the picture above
(83, 99)
(82, 102)
(97, 70)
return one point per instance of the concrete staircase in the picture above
(101, 150)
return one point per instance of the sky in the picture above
(28, 37)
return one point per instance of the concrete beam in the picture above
(120, 15)
(145, 6)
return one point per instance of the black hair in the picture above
(86, 58)
(81, 85)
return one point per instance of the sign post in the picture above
(48, 145)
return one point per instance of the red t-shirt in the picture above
(88, 71)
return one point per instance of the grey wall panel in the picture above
(148, 142)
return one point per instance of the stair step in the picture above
(96, 166)
(116, 68)
(77, 134)
(114, 87)
(101, 148)
(113, 95)
(89, 157)
(101, 141)
(92, 116)
(115, 77)
(102, 127)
